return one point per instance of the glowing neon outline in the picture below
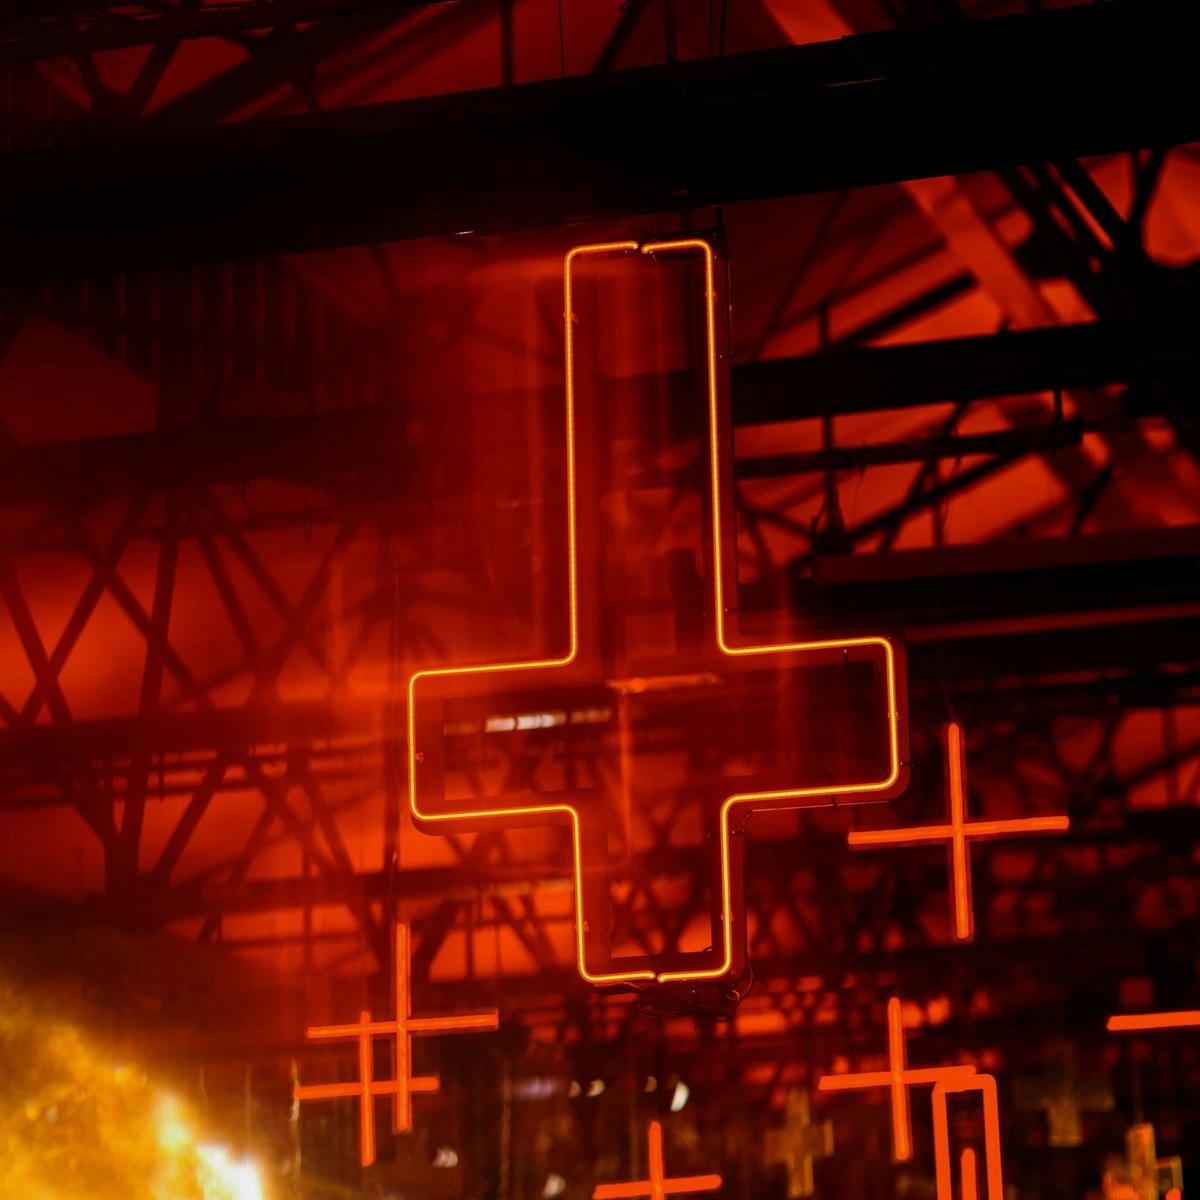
(658, 1185)
(957, 833)
(771, 799)
(899, 1077)
(1146, 1022)
(403, 1028)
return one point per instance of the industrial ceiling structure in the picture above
(282, 367)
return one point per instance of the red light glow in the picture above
(986, 1086)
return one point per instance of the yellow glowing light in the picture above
(222, 1178)
(746, 801)
(75, 1126)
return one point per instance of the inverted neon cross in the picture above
(899, 1078)
(433, 812)
(658, 1185)
(403, 1029)
(958, 834)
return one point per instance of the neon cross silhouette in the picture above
(658, 1185)
(798, 1144)
(426, 788)
(958, 834)
(403, 1029)
(899, 1077)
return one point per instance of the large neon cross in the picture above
(885, 776)
(958, 834)
(403, 1029)
(658, 1186)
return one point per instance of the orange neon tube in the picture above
(966, 1174)
(366, 1116)
(901, 1115)
(913, 1077)
(994, 1172)
(749, 800)
(1145, 1022)
(406, 1025)
(658, 1186)
(961, 864)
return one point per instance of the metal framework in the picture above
(1066, 642)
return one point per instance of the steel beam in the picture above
(39, 30)
(874, 109)
(1153, 355)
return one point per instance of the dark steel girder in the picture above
(40, 30)
(867, 110)
(1152, 354)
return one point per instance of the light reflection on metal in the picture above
(1147, 1022)
(899, 1077)
(403, 1029)
(736, 805)
(957, 834)
(658, 1185)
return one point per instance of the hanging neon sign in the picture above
(429, 690)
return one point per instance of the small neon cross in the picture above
(958, 834)
(899, 1077)
(658, 1185)
(403, 1029)
(884, 728)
